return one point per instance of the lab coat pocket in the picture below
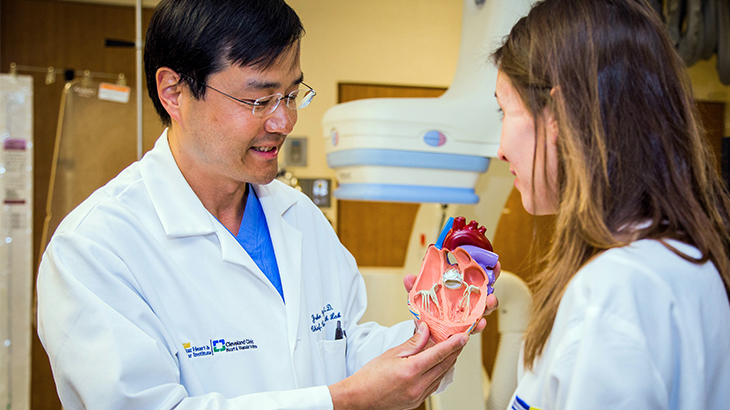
(332, 353)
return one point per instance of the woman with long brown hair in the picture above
(600, 129)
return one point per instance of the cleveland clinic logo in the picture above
(218, 346)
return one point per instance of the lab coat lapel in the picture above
(180, 211)
(287, 242)
(233, 252)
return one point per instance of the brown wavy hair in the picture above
(631, 148)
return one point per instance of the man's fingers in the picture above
(433, 386)
(408, 282)
(416, 343)
(439, 371)
(440, 352)
(492, 304)
(480, 326)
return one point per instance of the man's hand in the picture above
(492, 302)
(402, 377)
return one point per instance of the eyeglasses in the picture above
(261, 107)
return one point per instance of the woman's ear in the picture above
(169, 91)
(551, 127)
(551, 122)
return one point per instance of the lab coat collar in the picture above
(179, 209)
(274, 195)
(286, 239)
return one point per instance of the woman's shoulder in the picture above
(647, 272)
(647, 261)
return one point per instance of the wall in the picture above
(707, 86)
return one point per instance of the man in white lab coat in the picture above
(194, 280)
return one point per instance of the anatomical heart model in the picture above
(451, 290)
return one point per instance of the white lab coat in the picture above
(638, 328)
(145, 301)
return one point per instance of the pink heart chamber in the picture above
(451, 297)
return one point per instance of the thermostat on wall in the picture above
(295, 152)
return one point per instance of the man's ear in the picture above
(169, 91)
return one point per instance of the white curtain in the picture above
(16, 239)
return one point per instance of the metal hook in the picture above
(86, 82)
(50, 75)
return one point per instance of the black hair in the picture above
(199, 38)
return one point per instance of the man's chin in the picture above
(264, 179)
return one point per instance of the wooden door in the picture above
(377, 233)
(713, 119)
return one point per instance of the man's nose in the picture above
(281, 121)
(500, 154)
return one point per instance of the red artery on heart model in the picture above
(451, 295)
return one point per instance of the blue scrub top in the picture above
(255, 238)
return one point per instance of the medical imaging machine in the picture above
(435, 150)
